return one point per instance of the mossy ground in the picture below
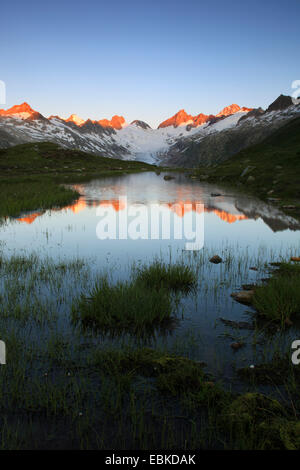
(278, 371)
(261, 423)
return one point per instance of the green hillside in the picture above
(30, 175)
(270, 169)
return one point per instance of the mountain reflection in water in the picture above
(176, 194)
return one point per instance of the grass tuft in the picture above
(279, 298)
(124, 306)
(177, 277)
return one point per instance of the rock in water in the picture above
(168, 178)
(236, 345)
(216, 259)
(243, 297)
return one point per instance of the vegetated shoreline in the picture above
(33, 176)
(269, 170)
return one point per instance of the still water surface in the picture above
(244, 231)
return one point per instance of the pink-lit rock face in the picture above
(23, 110)
(116, 122)
(228, 110)
(76, 119)
(177, 120)
(182, 118)
(232, 109)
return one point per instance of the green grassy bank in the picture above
(270, 169)
(31, 175)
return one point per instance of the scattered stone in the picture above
(243, 297)
(237, 345)
(295, 258)
(168, 177)
(241, 325)
(216, 259)
(252, 366)
(278, 167)
(289, 208)
(271, 191)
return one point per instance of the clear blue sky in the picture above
(147, 59)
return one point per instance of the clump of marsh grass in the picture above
(123, 306)
(279, 298)
(158, 275)
(288, 269)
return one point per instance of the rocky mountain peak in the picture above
(228, 110)
(116, 122)
(141, 124)
(18, 109)
(180, 118)
(76, 119)
(282, 102)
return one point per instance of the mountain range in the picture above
(181, 140)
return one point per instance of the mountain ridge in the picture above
(182, 140)
(118, 122)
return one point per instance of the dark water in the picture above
(244, 231)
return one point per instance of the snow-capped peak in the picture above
(76, 119)
(23, 111)
(183, 119)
